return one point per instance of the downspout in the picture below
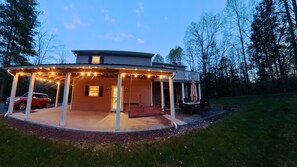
(5, 115)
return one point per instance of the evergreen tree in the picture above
(158, 58)
(175, 55)
(18, 20)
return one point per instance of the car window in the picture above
(25, 95)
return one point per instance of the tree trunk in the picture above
(246, 75)
(291, 30)
(294, 4)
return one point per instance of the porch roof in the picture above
(57, 72)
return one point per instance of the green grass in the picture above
(262, 133)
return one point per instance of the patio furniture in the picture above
(192, 106)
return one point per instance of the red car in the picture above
(38, 100)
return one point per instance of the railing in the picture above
(187, 75)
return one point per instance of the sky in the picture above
(153, 26)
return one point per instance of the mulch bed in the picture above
(103, 137)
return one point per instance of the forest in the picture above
(250, 47)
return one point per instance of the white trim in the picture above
(57, 94)
(162, 95)
(12, 94)
(30, 94)
(183, 92)
(152, 94)
(118, 109)
(172, 104)
(65, 98)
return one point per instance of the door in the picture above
(114, 93)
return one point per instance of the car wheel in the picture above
(22, 106)
(47, 105)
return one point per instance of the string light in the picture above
(149, 76)
(135, 75)
(95, 74)
(39, 73)
(89, 74)
(82, 74)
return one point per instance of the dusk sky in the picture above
(145, 26)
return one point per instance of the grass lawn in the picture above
(262, 133)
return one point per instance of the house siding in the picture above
(114, 59)
(140, 91)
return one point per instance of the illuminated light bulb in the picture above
(52, 73)
(58, 82)
(21, 73)
(123, 75)
(50, 81)
(54, 67)
(72, 85)
(149, 76)
(161, 76)
(135, 75)
(39, 73)
(95, 74)
(83, 67)
(89, 74)
(82, 74)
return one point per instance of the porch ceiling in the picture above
(56, 73)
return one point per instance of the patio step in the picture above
(177, 121)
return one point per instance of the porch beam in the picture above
(57, 94)
(199, 91)
(162, 95)
(118, 109)
(12, 94)
(183, 92)
(172, 104)
(65, 98)
(30, 94)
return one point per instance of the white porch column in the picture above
(172, 104)
(199, 91)
(162, 95)
(118, 109)
(183, 92)
(65, 98)
(12, 94)
(30, 94)
(57, 94)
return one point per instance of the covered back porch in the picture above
(64, 116)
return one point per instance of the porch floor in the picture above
(93, 121)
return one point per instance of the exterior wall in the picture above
(82, 59)
(143, 61)
(140, 91)
(120, 59)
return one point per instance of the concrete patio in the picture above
(105, 121)
(94, 121)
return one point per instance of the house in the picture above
(112, 81)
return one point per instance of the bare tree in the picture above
(237, 15)
(46, 43)
(202, 36)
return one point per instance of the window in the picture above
(95, 59)
(94, 91)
